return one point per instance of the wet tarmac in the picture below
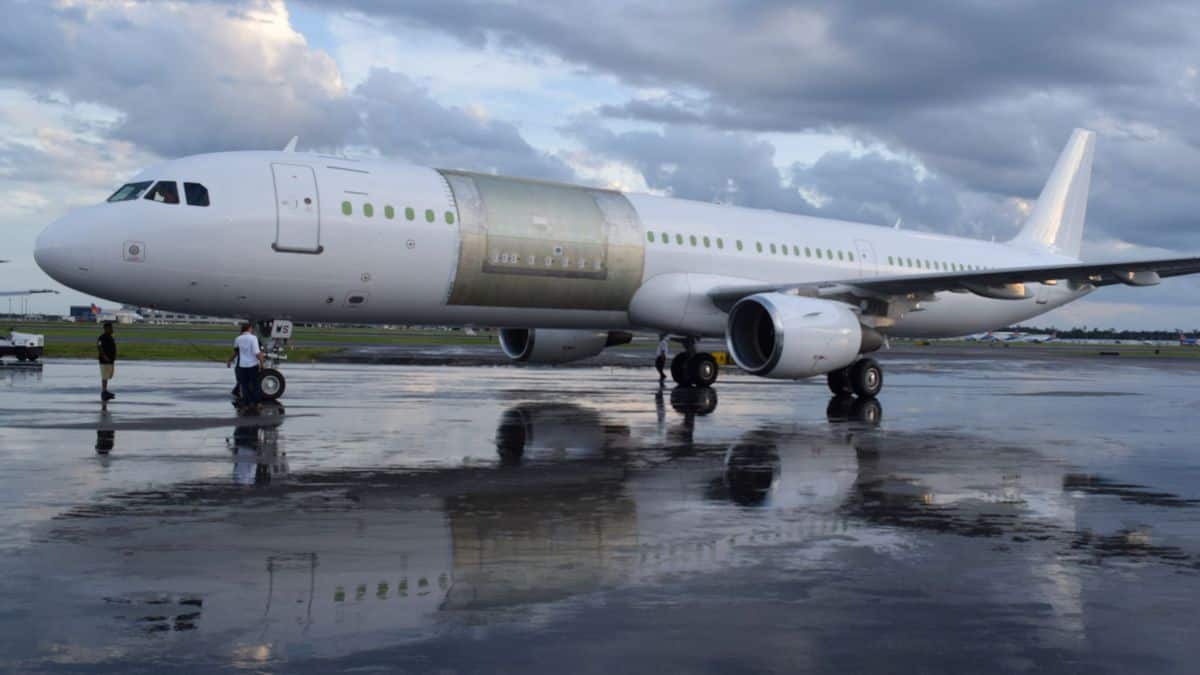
(985, 515)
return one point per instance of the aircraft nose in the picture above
(61, 253)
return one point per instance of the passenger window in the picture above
(389, 212)
(758, 245)
(195, 194)
(692, 239)
(818, 253)
(850, 256)
(772, 248)
(796, 251)
(890, 260)
(449, 217)
(679, 239)
(410, 214)
(807, 252)
(666, 239)
(840, 256)
(829, 253)
(429, 217)
(368, 210)
(720, 243)
(650, 237)
(739, 244)
(129, 191)
(347, 209)
(707, 242)
(164, 191)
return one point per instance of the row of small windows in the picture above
(940, 265)
(811, 252)
(368, 210)
(164, 192)
(784, 249)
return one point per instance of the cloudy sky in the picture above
(945, 115)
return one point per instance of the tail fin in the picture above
(1056, 222)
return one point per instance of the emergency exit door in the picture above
(297, 213)
(868, 266)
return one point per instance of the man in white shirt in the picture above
(660, 357)
(249, 358)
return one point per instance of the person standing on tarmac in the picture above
(106, 350)
(249, 358)
(660, 357)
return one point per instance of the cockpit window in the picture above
(164, 191)
(196, 194)
(129, 191)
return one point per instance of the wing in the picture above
(1003, 284)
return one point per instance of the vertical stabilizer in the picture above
(1056, 222)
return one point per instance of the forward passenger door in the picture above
(297, 211)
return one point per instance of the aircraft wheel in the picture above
(271, 384)
(866, 377)
(702, 370)
(21, 355)
(839, 382)
(679, 369)
(35, 353)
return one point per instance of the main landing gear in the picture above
(863, 378)
(690, 368)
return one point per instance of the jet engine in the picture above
(548, 345)
(788, 337)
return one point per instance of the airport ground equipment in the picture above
(25, 347)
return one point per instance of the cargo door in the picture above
(297, 212)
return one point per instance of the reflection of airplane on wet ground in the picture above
(567, 271)
(331, 562)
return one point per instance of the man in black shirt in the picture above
(106, 349)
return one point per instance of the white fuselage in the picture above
(316, 238)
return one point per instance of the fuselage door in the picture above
(868, 266)
(298, 214)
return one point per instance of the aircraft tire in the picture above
(839, 382)
(866, 377)
(271, 384)
(679, 370)
(702, 370)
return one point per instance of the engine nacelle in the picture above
(551, 345)
(788, 337)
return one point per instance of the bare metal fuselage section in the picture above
(527, 243)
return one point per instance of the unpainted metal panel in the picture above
(532, 244)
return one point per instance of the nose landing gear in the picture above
(275, 336)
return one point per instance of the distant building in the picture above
(84, 313)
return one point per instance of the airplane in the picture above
(1032, 338)
(565, 271)
(1185, 341)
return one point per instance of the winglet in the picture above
(1056, 221)
(291, 146)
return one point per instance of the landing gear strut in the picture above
(863, 378)
(690, 368)
(274, 336)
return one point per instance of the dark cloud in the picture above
(981, 95)
(401, 119)
(737, 167)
